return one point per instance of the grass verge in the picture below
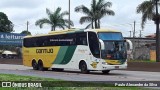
(12, 77)
(150, 61)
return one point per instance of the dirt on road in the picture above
(133, 66)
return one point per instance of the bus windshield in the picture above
(110, 36)
(114, 50)
(114, 46)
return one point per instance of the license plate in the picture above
(116, 67)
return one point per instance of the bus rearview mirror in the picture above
(101, 44)
(130, 47)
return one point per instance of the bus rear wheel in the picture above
(105, 71)
(41, 67)
(34, 65)
(83, 67)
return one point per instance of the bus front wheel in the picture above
(83, 67)
(34, 65)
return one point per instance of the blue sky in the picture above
(21, 11)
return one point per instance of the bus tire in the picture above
(34, 65)
(83, 67)
(41, 67)
(105, 71)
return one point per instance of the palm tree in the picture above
(55, 19)
(97, 11)
(147, 9)
(88, 17)
(103, 10)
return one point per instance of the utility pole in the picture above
(130, 33)
(134, 45)
(27, 25)
(140, 35)
(134, 29)
(69, 15)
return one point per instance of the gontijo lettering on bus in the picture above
(44, 50)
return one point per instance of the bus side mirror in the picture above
(101, 44)
(129, 46)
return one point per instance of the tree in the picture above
(149, 11)
(5, 24)
(55, 19)
(102, 10)
(97, 11)
(26, 32)
(89, 15)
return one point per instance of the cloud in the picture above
(20, 3)
(21, 11)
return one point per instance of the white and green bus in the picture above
(84, 49)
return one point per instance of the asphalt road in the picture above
(132, 66)
(75, 75)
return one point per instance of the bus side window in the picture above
(25, 42)
(81, 38)
(29, 42)
(32, 42)
(72, 39)
(45, 43)
(94, 44)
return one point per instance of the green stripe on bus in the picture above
(61, 54)
(69, 54)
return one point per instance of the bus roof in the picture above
(102, 30)
(73, 31)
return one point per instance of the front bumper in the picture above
(114, 67)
